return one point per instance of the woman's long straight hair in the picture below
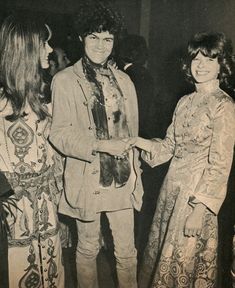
(21, 38)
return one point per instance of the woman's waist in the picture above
(29, 178)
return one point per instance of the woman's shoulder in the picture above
(184, 99)
(220, 96)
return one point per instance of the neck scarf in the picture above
(111, 169)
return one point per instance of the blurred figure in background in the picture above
(233, 263)
(132, 58)
(58, 60)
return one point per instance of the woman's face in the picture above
(45, 50)
(204, 68)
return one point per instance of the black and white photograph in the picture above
(117, 141)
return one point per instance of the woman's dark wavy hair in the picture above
(213, 45)
(21, 77)
(97, 17)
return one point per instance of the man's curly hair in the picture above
(97, 17)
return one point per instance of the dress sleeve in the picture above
(162, 150)
(212, 187)
(65, 135)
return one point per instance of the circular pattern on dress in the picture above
(199, 283)
(183, 281)
(174, 269)
(164, 268)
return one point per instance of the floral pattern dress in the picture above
(34, 172)
(200, 142)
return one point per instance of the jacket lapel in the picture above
(130, 101)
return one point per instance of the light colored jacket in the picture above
(73, 134)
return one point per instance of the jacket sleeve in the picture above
(68, 137)
(212, 187)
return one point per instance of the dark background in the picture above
(166, 25)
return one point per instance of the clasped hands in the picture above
(118, 148)
(123, 146)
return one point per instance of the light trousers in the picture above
(122, 226)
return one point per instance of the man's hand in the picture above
(115, 147)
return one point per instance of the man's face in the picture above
(98, 46)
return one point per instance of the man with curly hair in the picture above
(94, 110)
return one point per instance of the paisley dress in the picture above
(34, 172)
(200, 143)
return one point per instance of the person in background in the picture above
(233, 262)
(182, 246)
(5, 207)
(94, 107)
(27, 160)
(132, 56)
(58, 60)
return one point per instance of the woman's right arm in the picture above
(157, 151)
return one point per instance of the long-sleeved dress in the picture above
(200, 143)
(33, 171)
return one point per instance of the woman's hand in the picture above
(194, 222)
(144, 144)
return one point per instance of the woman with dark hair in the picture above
(182, 246)
(26, 159)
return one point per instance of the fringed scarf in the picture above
(111, 169)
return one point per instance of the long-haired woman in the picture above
(26, 158)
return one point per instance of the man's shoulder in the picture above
(121, 74)
(68, 73)
(63, 75)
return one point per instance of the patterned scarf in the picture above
(111, 169)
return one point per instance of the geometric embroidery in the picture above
(44, 216)
(31, 279)
(52, 270)
(21, 136)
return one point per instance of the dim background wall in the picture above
(172, 23)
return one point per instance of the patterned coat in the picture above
(34, 172)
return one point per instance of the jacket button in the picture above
(90, 128)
